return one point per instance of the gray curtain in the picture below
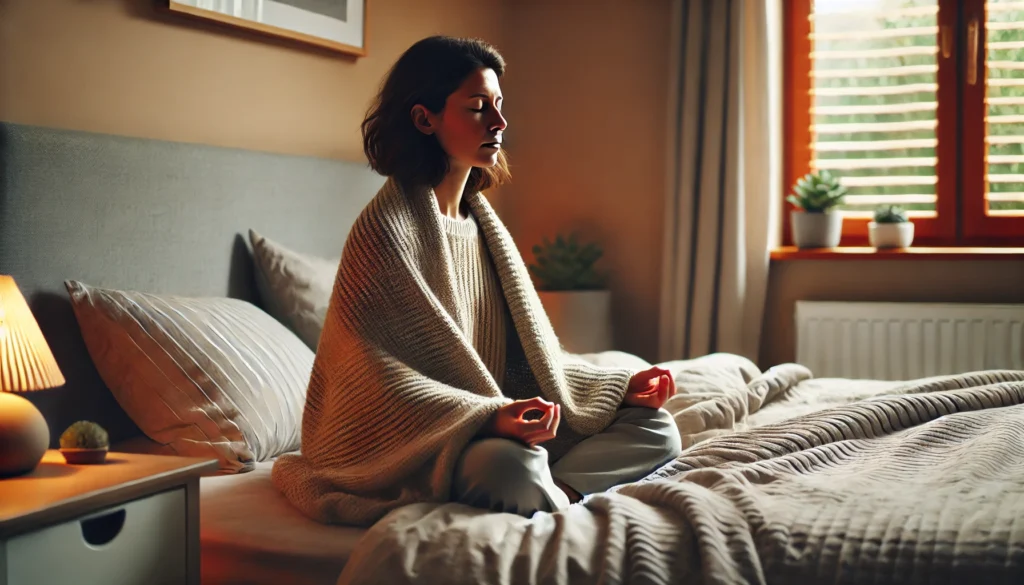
(724, 176)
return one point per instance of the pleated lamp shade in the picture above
(26, 362)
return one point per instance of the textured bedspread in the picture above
(870, 483)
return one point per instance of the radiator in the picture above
(903, 341)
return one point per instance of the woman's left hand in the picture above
(650, 388)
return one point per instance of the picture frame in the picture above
(338, 25)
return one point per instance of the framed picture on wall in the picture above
(338, 25)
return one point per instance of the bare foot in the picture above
(573, 495)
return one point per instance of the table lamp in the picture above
(26, 364)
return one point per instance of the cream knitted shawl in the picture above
(397, 391)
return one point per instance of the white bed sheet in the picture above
(250, 534)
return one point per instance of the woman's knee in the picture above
(659, 429)
(503, 475)
(496, 458)
(672, 441)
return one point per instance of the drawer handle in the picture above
(100, 530)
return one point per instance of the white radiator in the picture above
(903, 341)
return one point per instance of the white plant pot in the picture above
(582, 319)
(891, 235)
(817, 229)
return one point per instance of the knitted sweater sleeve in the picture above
(589, 382)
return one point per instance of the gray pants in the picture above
(507, 476)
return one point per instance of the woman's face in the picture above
(470, 126)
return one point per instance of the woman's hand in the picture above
(508, 421)
(650, 388)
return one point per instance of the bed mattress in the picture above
(251, 534)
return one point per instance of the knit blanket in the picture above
(397, 390)
(914, 482)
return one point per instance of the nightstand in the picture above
(131, 520)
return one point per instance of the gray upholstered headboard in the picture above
(152, 216)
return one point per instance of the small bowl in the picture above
(84, 456)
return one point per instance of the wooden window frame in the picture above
(958, 221)
(978, 225)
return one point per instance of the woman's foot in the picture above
(573, 495)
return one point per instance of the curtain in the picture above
(724, 176)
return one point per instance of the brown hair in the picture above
(427, 73)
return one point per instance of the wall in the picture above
(586, 93)
(586, 101)
(993, 281)
(131, 68)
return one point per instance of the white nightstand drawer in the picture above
(140, 542)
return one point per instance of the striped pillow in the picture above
(207, 377)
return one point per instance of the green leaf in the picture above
(567, 263)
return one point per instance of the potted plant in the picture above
(84, 442)
(816, 224)
(891, 228)
(573, 293)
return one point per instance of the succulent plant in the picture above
(817, 192)
(84, 435)
(890, 214)
(565, 264)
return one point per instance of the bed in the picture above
(784, 477)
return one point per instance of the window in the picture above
(918, 103)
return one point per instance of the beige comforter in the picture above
(872, 482)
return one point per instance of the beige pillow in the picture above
(207, 377)
(295, 288)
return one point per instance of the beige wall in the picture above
(586, 94)
(126, 67)
(586, 99)
(586, 91)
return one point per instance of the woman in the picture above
(438, 376)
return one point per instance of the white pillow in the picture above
(295, 288)
(207, 377)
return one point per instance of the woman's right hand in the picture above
(650, 388)
(508, 421)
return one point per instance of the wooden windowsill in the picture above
(912, 253)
